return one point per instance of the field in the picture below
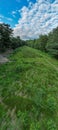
(29, 91)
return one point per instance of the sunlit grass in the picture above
(29, 84)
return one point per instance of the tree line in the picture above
(7, 40)
(47, 43)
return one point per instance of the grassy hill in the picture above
(29, 91)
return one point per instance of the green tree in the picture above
(52, 44)
(16, 42)
(5, 34)
(43, 41)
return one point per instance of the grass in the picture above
(29, 84)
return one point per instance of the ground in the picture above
(4, 56)
(3, 59)
(29, 91)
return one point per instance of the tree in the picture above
(52, 44)
(5, 34)
(43, 41)
(16, 42)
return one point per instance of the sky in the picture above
(29, 18)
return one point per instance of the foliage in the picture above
(47, 43)
(43, 41)
(52, 44)
(16, 42)
(5, 33)
(7, 41)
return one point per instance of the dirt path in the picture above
(3, 59)
(4, 56)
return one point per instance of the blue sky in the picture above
(29, 18)
(9, 10)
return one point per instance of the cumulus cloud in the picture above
(38, 18)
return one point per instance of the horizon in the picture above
(30, 18)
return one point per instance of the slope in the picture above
(28, 91)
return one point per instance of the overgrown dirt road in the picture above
(3, 59)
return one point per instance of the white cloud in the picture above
(5, 18)
(37, 19)
(14, 13)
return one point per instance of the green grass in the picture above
(29, 87)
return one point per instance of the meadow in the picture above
(29, 91)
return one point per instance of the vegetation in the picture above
(52, 44)
(5, 33)
(47, 43)
(29, 82)
(29, 91)
(7, 41)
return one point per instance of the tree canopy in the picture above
(47, 43)
(6, 38)
(5, 34)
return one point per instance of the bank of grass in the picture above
(29, 84)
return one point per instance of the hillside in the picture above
(29, 91)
